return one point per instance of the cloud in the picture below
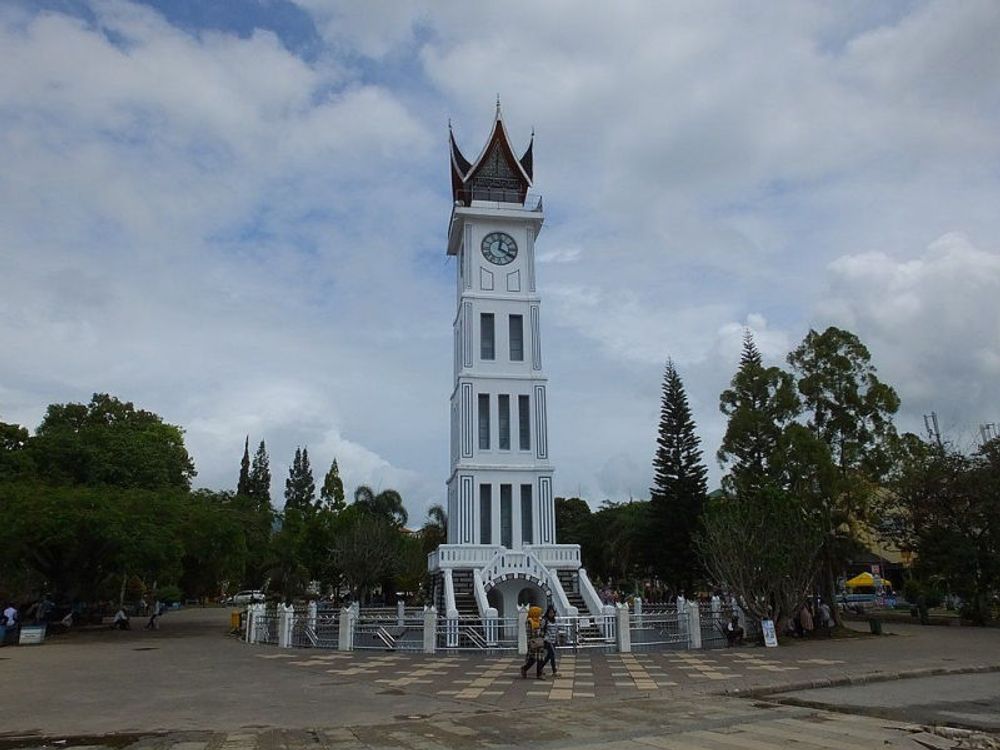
(246, 238)
(930, 320)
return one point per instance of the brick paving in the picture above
(189, 687)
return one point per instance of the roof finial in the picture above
(498, 106)
(449, 124)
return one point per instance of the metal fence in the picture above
(386, 629)
(491, 635)
(587, 632)
(377, 631)
(657, 631)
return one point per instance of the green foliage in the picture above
(109, 442)
(15, 460)
(75, 538)
(243, 483)
(946, 508)
(434, 532)
(170, 594)
(850, 408)
(332, 491)
(386, 505)
(300, 489)
(760, 403)
(367, 552)
(679, 488)
(259, 483)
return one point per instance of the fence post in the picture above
(490, 623)
(286, 617)
(694, 625)
(638, 610)
(522, 630)
(609, 622)
(682, 620)
(400, 613)
(624, 632)
(345, 641)
(430, 629)
(311, 613)
(252, 623)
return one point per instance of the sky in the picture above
(234, 214)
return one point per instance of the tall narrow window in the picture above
(487, 350)
(486, 514)
(506, 516)
(523, 423)
(527, 515)
(503, 422)
(484, 421)
(516, 338)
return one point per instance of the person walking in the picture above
(157, 611)
(536, 643)
(550, 634)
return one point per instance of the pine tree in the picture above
(760, 403)
(243, 485)
(259, 483)
(679, 488)
(300, 489)
(332, 492)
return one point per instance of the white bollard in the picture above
(286, 620)
(345, 639)
(522, 630)
(694, 626)
(451, 629)
(624, 630)
(490, 621)
(609, 623)
(638, 610)
(400, 613)
(430, 629)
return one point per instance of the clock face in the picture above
(499, 248)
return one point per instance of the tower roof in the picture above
(497, 174)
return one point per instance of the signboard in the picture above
(31, 635)
(770, 637)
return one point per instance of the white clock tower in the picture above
(501, 549)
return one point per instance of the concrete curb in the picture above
(863, 679)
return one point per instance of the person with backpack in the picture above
(536, 643)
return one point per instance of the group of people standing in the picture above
(543, 633)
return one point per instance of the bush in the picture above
(914, 588)
(169, 594)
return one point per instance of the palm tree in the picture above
(387, 504)
(435, 529)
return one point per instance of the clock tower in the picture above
(501, 549)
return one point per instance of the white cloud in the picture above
(930, 320)
(244, 240)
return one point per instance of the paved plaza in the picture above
(189, 686)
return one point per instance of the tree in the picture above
(15, 463)
(435, 529)
(760, 403)
(387, 505)
(850, 410)
(259, 485)
(109, 442)
(243, 484)
(764, 547)
(300, 489)
(366, 552)
(943, 506)
(332, 492)
(679, 488)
